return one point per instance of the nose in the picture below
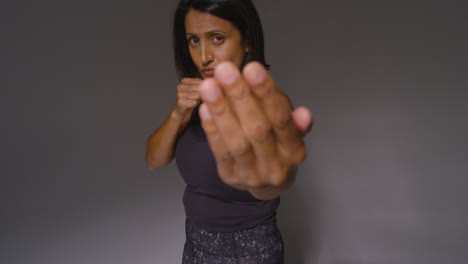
(207, 55)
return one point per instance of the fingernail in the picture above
(226, 73)
(256, 74)
(209, 91)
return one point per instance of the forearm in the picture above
(270, 192)
(160, 145)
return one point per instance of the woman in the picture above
(235, 137)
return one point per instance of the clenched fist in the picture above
(188, 96)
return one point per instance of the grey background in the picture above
(84, 83)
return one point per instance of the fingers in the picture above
(189, 85)
(188, 88)
(187, 95)
(277, 108)
(253, 121)
(303, 119)
(191, 80)
(224, 160)
(184, 96)
(225, 134)
(251, 127)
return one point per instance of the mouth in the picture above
(208, 72)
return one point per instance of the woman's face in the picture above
(212, 40)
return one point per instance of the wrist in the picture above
(177, 115)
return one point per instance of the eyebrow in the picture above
(208, 33)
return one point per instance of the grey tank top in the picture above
(208, 201)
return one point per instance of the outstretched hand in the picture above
(254, 133)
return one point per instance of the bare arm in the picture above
(160, 145)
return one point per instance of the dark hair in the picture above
(241, 13)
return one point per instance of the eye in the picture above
(218, 39)
(193, 40)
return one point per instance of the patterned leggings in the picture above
(261, 244)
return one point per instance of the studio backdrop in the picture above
(84, 83)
